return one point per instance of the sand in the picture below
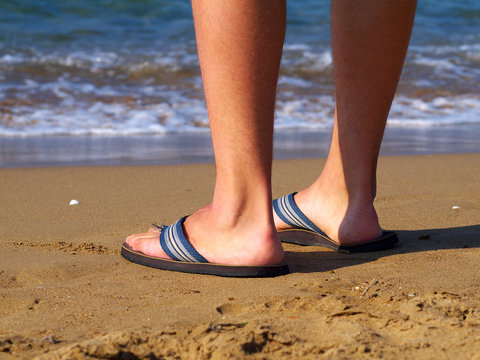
(66, 293)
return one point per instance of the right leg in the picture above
(369, 42)
(239, 45)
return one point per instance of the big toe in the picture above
(132, 241)
(147, 243)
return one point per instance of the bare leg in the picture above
(369, 41)
(239, 45)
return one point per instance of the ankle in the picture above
(256, 241)
(359, 189)
(236, 208)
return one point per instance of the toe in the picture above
(146, 243)
(130, 239)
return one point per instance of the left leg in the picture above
(369, 43)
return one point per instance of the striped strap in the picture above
(176, 245)
(290, 214)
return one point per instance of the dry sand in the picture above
(66, 293)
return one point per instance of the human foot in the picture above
(220, 239)
(344, 222)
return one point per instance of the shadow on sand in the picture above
(321, 259)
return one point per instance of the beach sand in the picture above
(66, 293)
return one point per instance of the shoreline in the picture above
(66, 292)
(188, 148)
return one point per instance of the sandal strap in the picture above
(176, 245)
(290, 214)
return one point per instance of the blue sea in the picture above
(88, 69)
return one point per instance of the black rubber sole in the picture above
(310, 238)
(203, 268)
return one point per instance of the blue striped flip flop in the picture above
(185, 258)
(306, 233)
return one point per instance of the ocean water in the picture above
(124, 67)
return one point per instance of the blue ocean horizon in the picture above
(129, 68)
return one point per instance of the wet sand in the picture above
(196, 147)
(66, 293)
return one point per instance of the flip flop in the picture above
(184, 258)
(306, 233)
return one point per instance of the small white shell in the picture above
(455, 207)
(74, 202)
